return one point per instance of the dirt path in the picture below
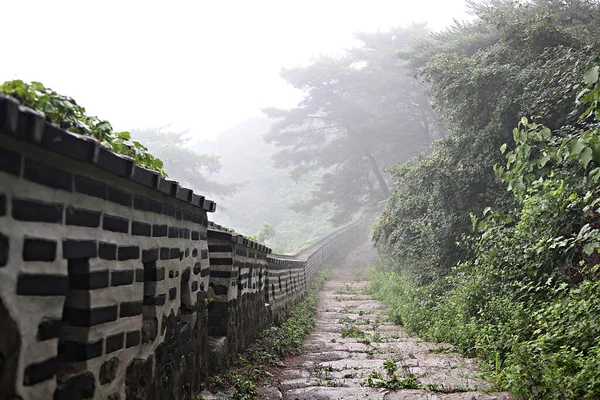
(337, 367)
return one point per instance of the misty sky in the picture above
(197, 65)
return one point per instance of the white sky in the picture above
(197, 65)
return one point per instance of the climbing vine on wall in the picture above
(65, 112)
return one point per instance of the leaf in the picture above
(503, 148)
(591, 76)
(576, 146)
(595, 174)
(588, 248)
(585, 157)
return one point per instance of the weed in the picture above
(353, 331)
(393, 380)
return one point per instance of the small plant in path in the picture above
(392, 380)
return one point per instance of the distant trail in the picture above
(332, 367)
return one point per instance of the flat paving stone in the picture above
(336, 368)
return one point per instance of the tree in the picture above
(515, 59)
(186, 166)
(361, 113)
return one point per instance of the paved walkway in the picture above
(336, 367)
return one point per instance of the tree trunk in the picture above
(382, 183)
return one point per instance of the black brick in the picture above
(154, 206)
(194, 286)
(153, 274)
(39, 250)
(91, 187)
(130, 308)
(205, 272)
(171, 274)
(141, 229)
(120, 278)
(220, 289)
(114, 163)
(178, 214)
(119, 196)
(81, 217)
(133, 339)
(197, 268)
(10, 162)
(159, 230)
(143, 176)
(115, 224)
(220, 248)
(139, 275)
(164, 253)
(107, 251)
(195, 253)
(221, 261)
(149, 255)
(90, 317)
(80, 249)
(79, 266)
(3, 250)
(2, 205)
(47, 176)
(174, 253)
(42, 285)
(172, 293)
(114, 342)
(38, 211)
(91, 281)
(49, 328)
(184, 233)
(186, 274)
(73, 351)
(195, 235)
(168, 210)
(158, 300)
(129, 253)
(139, 203)
(39, 372)
(173, 232)
(186, 216)
(59, 141)
(220, 274)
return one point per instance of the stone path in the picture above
(336, 367)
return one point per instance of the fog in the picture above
(213, 90)
(195, 65)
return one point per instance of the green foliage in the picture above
(526, 299)
(392, 380)
(497, 252)
(65, 112)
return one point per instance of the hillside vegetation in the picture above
(491, 240)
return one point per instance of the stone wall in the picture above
(113, 284)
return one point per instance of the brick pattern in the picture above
(96, 266)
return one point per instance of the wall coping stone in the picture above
(25, 124)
